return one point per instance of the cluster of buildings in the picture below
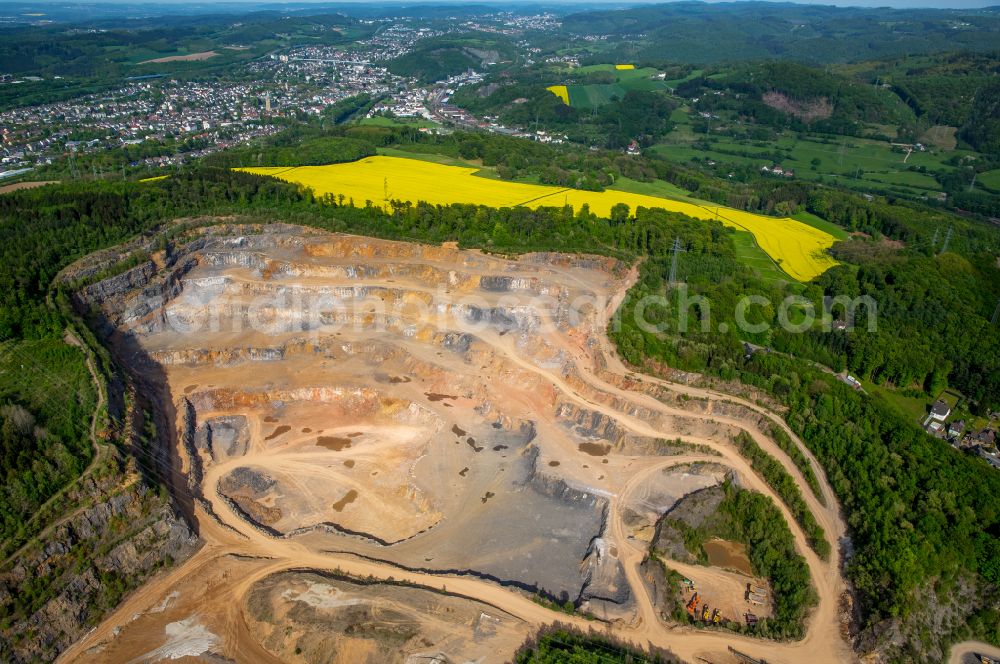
(212, 115)
(218, 114)
(777, 170)
(508, 23)
(982, 442)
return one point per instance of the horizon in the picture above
(844, 4)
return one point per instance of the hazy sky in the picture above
(942, 4)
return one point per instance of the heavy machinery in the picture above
(717, 616)
(692, 604)
(705, 613)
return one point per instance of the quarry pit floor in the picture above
(389, 448)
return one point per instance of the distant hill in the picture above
(787, 94)
(940, 88)
(438, 58)
(702, 33)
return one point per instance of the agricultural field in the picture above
(856, 163)
(990, 179)
(797, 247)
(382, 121)
(626, 77)
(189, 57)
(560, 91)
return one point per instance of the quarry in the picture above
(404, 452)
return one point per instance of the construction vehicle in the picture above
(717, 616)
(705, 613)
(692, 604)
(751, 619)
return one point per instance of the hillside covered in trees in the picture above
(437, 58)
(698, 32)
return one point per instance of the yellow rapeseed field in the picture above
(624, 67)
(560, 91)
(798, 248)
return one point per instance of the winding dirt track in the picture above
(231, 538)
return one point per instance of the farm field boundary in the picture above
(797, 248)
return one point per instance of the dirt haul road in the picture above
(417, 414)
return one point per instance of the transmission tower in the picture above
(996, 314)
(673, 262)
(934, 240)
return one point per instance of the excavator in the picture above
(692, 604)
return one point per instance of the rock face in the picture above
(692, 510)
(422, 408)
(435, 313)
(81, 568)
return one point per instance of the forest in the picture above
(566, 645)
(706, 33)
(523, 101)
(789, 95)
(437, 58)
(920, 513)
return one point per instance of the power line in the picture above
(947, 239)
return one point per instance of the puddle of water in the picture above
(190, 388)
(472, 443)
(270, 418)
(284, 428)
(399, 379)
(604, 461)
(349, 463)
(463, 471)
(306, 430)
(334, 443)
(489, 494)
(348, 498)
(730, 555)
(553, 463)
(437, 396)
(595, 449)
(457, 430)
(353, 435)
(497, 448)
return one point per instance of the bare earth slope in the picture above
(424, 414)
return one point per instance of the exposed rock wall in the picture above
(80, 569)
